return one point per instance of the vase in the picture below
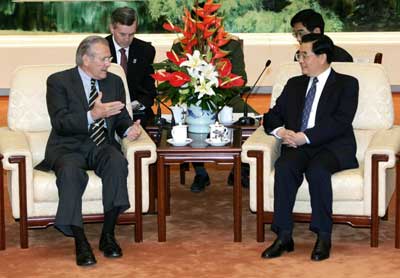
(198, 120)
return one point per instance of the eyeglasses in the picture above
(299, 33)
(302, 55)
(104, 59)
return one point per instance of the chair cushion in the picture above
(347, 185)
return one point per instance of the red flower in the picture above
(233, 81)
(171, 27)
(175, 58)
(224, 67)
(161, 76)
(178, 78)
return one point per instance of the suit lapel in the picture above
(301, 96)
(326, 93)
(78, 88)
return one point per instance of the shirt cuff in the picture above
(275, 132)
(307, 140)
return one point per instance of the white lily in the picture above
(194, 61)
(204, 88)
(208, 71)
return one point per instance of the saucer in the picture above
(180, 144)
(217, 144)
(227, 123)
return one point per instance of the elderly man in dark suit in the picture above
(136, 57)
(313, 117)
(86, 105)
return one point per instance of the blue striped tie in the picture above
(308, 104)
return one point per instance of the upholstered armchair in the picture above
(33, 193)
(360, 196)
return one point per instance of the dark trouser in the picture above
(109, 164)
(317, 165)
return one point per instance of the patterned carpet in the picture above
(200, 244)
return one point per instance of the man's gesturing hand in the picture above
(104, 110)
(134, 131)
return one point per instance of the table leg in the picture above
(2, 220)
(237, 201)
(161, 199)
(152, 188)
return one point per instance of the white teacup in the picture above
(179, 114)
(179, 133)
(225, 115)
(218, 132)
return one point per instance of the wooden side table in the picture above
(169, 155)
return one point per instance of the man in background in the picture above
(136, 58)
(309, 21)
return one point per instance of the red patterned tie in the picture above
(124, 60)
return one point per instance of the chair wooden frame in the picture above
(43, 222)
(352, 220)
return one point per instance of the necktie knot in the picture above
(122, 50)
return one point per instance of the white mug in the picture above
(218, 132)
(179, 114)
(179, 133)
(225, 115)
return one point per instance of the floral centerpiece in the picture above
(200, 74)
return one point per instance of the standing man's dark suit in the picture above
(141, 84)
(313, 118)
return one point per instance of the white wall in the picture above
(17, 50)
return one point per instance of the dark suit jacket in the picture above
(339, 55)
(140, 59)
(67, 106)
(333, 128)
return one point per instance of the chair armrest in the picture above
(143, 143)
(260, 141)
(14, 143)
(130, 148)
(384, 143)
(270, 147)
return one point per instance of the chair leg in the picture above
(397, 228)
(2, 214)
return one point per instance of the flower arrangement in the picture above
(201, 73)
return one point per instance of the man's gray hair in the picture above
(85, 47)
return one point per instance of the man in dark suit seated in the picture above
(136, 57)
(86, 106)
(313, 118)
(309, 21)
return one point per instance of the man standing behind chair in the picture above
(309, 21)
(136, 57)
(86, 109)
(317, 140)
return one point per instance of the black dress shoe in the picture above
(321, 250)
(109, 246)
(277, 248)
(200, 183)
(84, 254)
